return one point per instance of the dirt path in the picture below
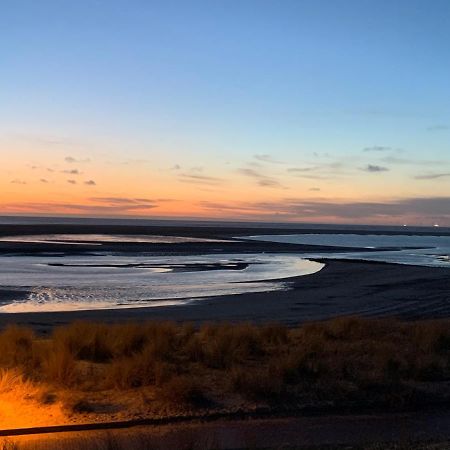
(336, 430)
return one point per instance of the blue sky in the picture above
(349, 86)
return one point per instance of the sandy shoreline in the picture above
(341, 288)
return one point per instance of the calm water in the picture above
(430, 251)
(106, 281)
(103, 280)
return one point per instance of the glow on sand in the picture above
(24, 405)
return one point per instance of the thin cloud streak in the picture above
(377, 148)
(373, 168)
(266, 158)
(261, 179)
(420, 209)
(73, 160)
(432, 176)
(94, 205)
(196, 178)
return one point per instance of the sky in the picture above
(331, 111)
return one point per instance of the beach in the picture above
(223, 402)
(342, 287)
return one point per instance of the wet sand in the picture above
(240, 245)
(341, 288)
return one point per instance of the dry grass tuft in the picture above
(14, 384)
(182, 389)
(344, 361)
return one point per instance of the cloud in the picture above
(372, 168)
(72, 160)
(431, 206)
(43, 180)
(123, 201)
(261, 179)
(130, 162)
(196, 178)
(266, 158)
(414, 210)
(269, 182)
(175, 167)
(377, 148)
(249, 172)
(395, 160)
(90, 183)
(71, 172)
(315, 189)
(321, 155)
(112, 209)
(320, 171)
(122, 204)
(310, 173)
(420, 210)
(406, 161)
(72, 181)
(302, 169)
(432, 176)
(438, 128)
(17, 181)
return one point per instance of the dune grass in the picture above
(344, 362)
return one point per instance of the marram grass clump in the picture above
(345, 361)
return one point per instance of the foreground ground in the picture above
(97, 373)
(335, 382)
(422, 431)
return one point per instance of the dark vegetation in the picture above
(342, 363)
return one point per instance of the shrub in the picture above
(16, 344)
(58, 365)
(337, 361)
(257, 383)
(182, 389)
(223, 345)
(85, 341)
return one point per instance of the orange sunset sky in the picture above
(300, 111)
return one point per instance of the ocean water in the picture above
(419, 250)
